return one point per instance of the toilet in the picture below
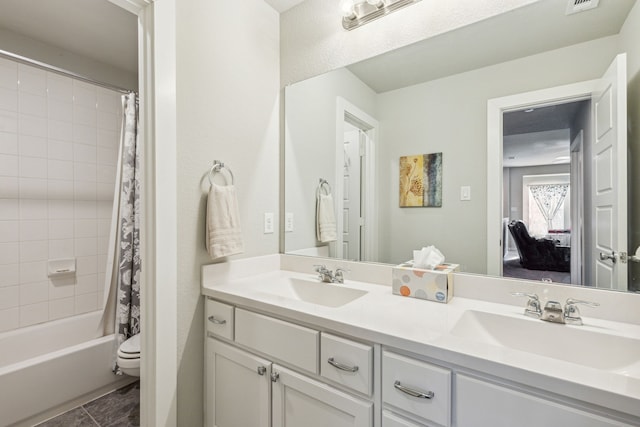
(129, 356)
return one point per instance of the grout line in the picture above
(90, 416)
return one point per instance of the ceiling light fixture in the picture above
(359, 12)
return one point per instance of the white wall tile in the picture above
(106, 173)
(85, 190)
(85, 172)
(9, 209)
(9, 297)
(109, 100)
(33, 167)
(9, 188)
(32, 293)
(59, 110)
(103, 245)
(85, 116)
(86, 302)
(32, 146)
(107, 156)
(104, 191)
(34, 105)
(86, 246)
(9, 231)
(61, 229)
(101, 265)
(33, 272)
(87, 284)
(60, 169)
(108, 121)
(61, 131)
(85, 134)
(34, 230)
(9, 275)
(9, 253)
(103, 227)
(8, 74)
(32, 80)
(37, 250)
(85, 94)
(86, 265)
(59, 87)
(8, 165)
(33, 209)
(85, 209)
(33, 125)
(61, 209)
(108, 139)
(60, 150)
(8, 121)
(85, 228)
(8, 99)
(9, 319)
(62, 248)
(8, 143)
(59, 189)
(34, 313)
(84, 153)
(61, 308)
(62, 288)
(33, 188)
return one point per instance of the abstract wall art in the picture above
(421, 180)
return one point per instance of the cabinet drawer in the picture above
(290, 343)
(392, 420)
(416, 376)
(346, 362)
(219, 318)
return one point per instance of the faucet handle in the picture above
(571, 313)
(320, 268)
(339, 274)
(533, 305)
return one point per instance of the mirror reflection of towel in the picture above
(325, 219)
(224, 236)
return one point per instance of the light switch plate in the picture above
(268, 222)
(288, 222)
(465, 192)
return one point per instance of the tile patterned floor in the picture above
(120, 408)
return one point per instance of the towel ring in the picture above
(324, 183)
(217, 168)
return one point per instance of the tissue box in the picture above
(432, 285)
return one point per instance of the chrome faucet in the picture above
(328, 276)
(553, 311)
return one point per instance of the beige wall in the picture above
(228, 109)
(629, 42)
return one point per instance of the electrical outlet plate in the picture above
(268, 222)
(288, 222)
(465, 192)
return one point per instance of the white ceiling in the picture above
(96, 29)
(535, 28)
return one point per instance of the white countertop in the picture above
(425, 328)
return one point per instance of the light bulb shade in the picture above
(347, 8)
(376, 3)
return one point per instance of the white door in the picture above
(577, 209)
(351, 196)
(609, 189)
(237, 390)
(299, 401)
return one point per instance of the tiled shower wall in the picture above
(59, 142)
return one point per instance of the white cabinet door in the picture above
(299, 401)
(237, 390)
(478, 403)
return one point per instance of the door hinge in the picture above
(624, 258)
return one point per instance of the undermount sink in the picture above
(328, 295)
(581, 346)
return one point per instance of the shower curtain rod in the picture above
(62, 71)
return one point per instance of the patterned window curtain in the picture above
(549, 198)
(129, 262)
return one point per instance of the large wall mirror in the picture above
(512, 104)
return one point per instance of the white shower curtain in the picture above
(122, 282)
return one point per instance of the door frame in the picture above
(347, 111)
(496, 107)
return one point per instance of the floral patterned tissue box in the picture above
(433, 285)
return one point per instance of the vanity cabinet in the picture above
(480, 403)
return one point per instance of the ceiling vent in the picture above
(576, 6)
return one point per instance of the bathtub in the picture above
(49, 368)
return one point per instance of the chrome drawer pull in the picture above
(414, 393)
(342, 367)
(261, 370)
(213, 319)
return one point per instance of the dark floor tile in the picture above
(77, 417)
(117, 408)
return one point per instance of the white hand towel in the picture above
(325, 219)
(224, 236)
